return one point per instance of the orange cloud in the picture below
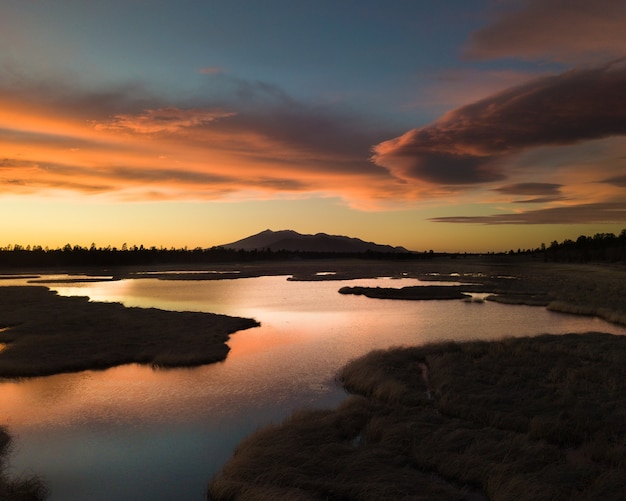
(59, 141)
(168, 119)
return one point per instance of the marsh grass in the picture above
(582, 289)
(539, 418)
(422, 292)
(14, 488)
(47, 334)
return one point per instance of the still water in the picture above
(131, 433)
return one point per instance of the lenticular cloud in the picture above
(468, 145)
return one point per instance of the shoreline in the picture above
(46, 334)
(538, 418)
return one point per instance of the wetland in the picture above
(144, 422)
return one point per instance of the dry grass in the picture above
(17, 488)
(48, 334)
(535, 418)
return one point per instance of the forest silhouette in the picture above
(601, 247)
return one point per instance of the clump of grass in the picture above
(48, 334)
(17, 488)
(409, 293)
(530, 418)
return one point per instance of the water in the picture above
(132, 433)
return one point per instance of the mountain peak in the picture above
(291, 240)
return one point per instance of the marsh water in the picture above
(131, 432)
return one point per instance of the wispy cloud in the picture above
(168, 119)
(470, 145)
(530, 189)
(596, 213)
(257, 140)
(541, 192)
(211, 70)
(617, 180)
(572, 31)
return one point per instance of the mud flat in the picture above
(539, 418)
(43, 334)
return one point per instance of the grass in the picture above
(47, 334)
(582, 289)
(17, 488)
(539, 418)
(409, 293)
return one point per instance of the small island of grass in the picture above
(528, 419)
(409, 293)
(43, 334)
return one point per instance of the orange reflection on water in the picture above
(122, 393)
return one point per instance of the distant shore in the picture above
(587, 289)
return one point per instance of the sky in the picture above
(446, 125)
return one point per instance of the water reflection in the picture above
(127, 426)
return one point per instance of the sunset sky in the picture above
(452, 125)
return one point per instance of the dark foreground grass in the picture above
(17, 488)
(47, 334)
(540, 418)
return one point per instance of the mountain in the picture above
(321, 242)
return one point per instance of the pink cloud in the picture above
(559, 30)
(211, 70)
(471, 144)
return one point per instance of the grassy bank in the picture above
(47, 334)
(17, 488)
(533, 418)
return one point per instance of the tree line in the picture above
(606, 247)
(17, 256)
(601, 247)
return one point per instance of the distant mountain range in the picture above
(290, 240)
